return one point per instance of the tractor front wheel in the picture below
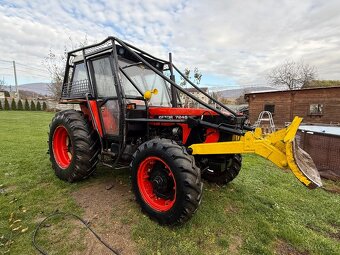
(73, 146)
(166, 182)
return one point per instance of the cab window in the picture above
(103, 77)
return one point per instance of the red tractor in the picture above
(131, 115)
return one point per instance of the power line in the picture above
(31, 67)
(7, 61)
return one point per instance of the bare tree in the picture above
(197, 80)
(292, 75)
(55, 64)
(197, 76)
(2, 83)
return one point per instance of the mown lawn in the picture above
(264, 211)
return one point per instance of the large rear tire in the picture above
(73, 146)
(223, 169)
(166, 182)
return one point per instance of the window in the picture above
(79, 73)
(316, 109)
(104, 77)
(270, 108)
(145, 79)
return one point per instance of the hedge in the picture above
(13, 105)
(6, 104)
(20, 106)
(32, 106)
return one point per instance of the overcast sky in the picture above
(231, 42)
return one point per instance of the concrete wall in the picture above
(51, 105)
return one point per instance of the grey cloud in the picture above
(240, 40)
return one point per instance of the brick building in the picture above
(315, 105)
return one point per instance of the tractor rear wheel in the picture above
(223, 169)
(166, 181)
(73, 146)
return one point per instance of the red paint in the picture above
(146, 188)
(94, 109)
(61, 152)
(167, 111)
(212, 135)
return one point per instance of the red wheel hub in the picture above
(62, 147)
(156, 184)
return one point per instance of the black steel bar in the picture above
(170, 81)
(206, 94)
(219, 127)
(92, 45)
(141, 51)
(172, 77)
(130, 80)
(156, 120)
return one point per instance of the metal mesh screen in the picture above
(77, 89)
(325, 152)
(98, 48)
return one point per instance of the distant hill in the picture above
(38, 88)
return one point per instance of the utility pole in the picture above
(16, 80)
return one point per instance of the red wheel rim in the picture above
(62, 147)
(148, 183)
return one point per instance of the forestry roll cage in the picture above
(150, 61)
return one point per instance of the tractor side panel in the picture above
(96, 120)
(189, 135)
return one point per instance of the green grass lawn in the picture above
(263, 211)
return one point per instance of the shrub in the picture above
(20, 106)
(32, 106)
(27, 106)
(0, 105)
(13, 105)
(6, 104)
(44, 106)
(38, 106)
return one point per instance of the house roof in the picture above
(288, 91)
(193, 90)
(331, 130)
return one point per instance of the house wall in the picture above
(296, 103)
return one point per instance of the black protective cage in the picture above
(85, 89)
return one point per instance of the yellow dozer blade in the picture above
(279, 147)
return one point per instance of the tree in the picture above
(27, 106)
(32, 106)
(13, 105)
(55, 64)
(321, 84)
(2, 83)
(292, 75)
(38, 106)
(240, 100)
(20, 106)
(186, 75)
(197, 76)
(44, 106)
(6, 104)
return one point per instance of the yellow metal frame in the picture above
(276, 147)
